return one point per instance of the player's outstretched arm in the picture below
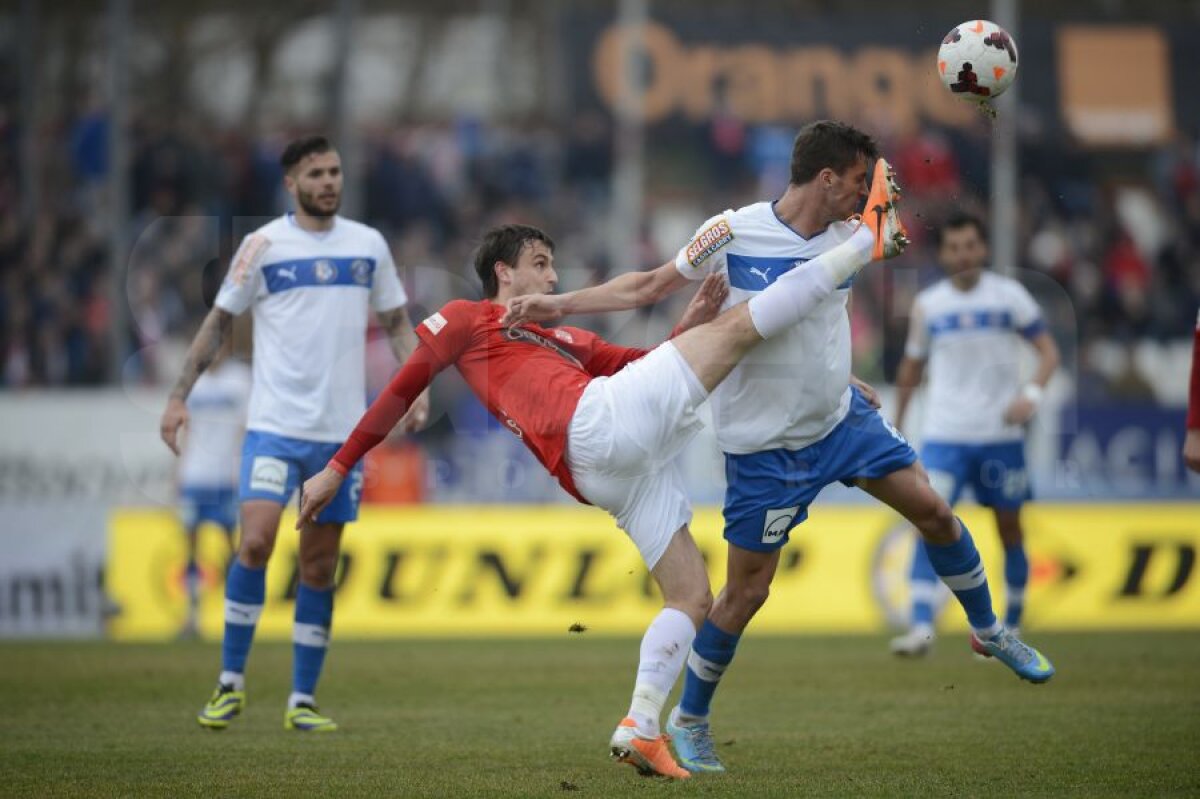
(214, 332)
(403, 340)
(388, 408)
(623, 292)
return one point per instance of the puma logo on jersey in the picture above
(288, 272)
(764, 274)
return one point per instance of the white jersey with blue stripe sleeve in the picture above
(972, 342)
(311, 294)
(792, 390)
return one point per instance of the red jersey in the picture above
(528, 377)
(1193, 417)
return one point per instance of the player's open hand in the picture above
(173, 418)
(1020, 411)
(706, 304)
(418, 415)
(868, 391)
(317, 492)
(532, 308)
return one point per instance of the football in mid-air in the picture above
(977, 60)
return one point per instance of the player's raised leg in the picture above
(245, 594)
(683, 581)
(748, 583)
(713, 349)
(948, 468)
(319, 548)
(956, 560)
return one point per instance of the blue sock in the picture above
(1016, 575)
(245, 592)
(711, 654)
(960, 568)
(314, 614)
(922, 586)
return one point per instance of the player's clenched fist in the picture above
(173, 418)
(316, 493)
(532, 308)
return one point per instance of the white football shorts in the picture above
(624, 443)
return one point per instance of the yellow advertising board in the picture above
(502, 570)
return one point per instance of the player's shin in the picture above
(1016, 575)
(796, 293)
(665, 646)
(245, 593)
(310, 637)
(711, 654)
(922, 588)
(961, 569)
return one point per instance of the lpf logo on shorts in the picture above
(777, 523)
(268, 474)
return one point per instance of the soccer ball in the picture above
(977, 60)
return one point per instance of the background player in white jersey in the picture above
(311, 278)
(968, 328)
(209, 462)
(790, 418)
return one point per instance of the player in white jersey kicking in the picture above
(969, 327)
(790, 418)
(311, 278)
(208, 463)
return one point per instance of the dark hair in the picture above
(503, 243)
(825, 143)
(297, 149)
(959, 221)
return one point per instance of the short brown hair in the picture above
(825, 143)
(297, 149)
(503, 243)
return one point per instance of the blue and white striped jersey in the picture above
(972, 342)
(311, 294)
(792, 390)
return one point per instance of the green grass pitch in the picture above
(830, 716)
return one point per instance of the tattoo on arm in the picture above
(216, 329)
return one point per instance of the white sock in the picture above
(297, 699)
(797, 292)
(988, 633)
(665, 647)
(234, 679)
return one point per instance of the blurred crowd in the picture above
(1115, 259)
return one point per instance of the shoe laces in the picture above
(701, 740)
(1017, 649)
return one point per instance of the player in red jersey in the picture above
(1191, 444)
(609, 422)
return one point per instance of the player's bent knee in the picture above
(695, 603)
(936, 522)
(318, 574)
(256, 550)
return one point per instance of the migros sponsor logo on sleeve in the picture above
(500, 571)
